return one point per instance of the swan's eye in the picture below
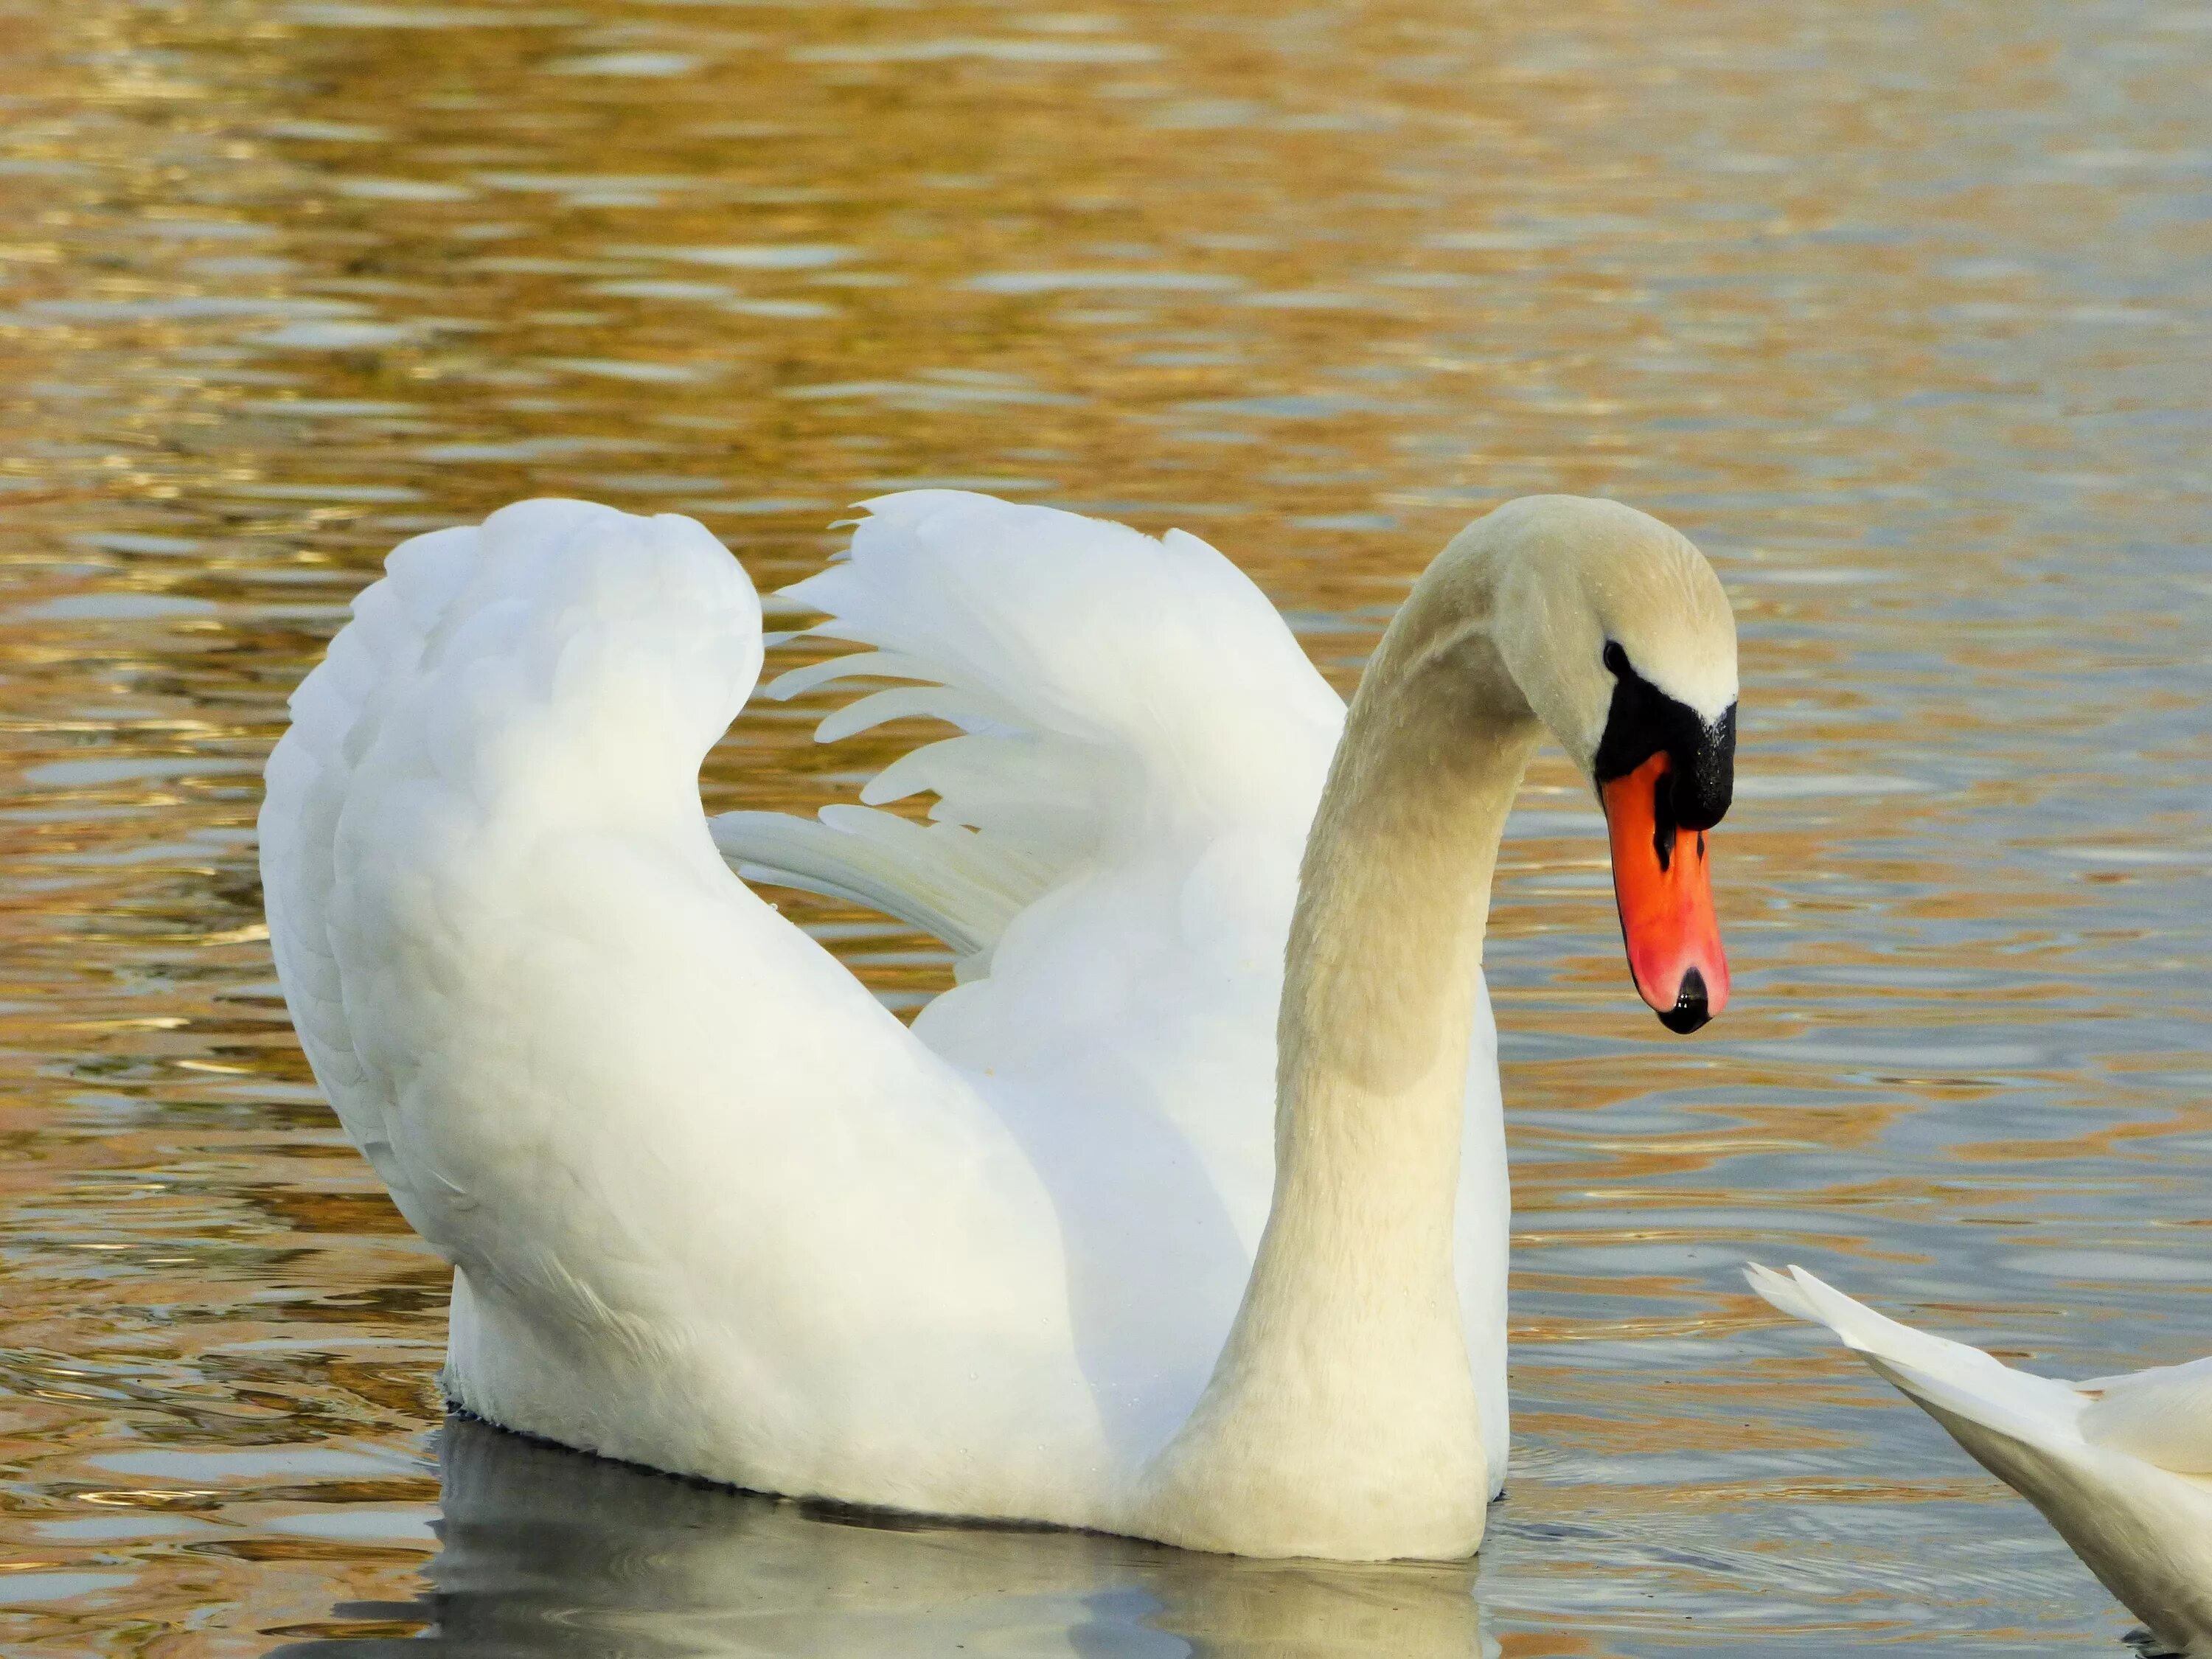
(1616, 660)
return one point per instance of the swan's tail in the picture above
(1932, 1370)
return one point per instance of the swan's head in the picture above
(1617, 634)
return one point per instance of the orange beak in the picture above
(1666, 903)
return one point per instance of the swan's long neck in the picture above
(1341, 1417)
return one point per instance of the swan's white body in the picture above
(2120, 1466)
(713, 1209)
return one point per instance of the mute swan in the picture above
(2120, 1466)
(711, 1208)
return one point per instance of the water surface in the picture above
(1899, 311)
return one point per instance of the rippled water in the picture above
(1899, 310)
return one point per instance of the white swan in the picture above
(2120, 1466)
(713, 1209)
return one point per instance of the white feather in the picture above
(2116, 1465)
(713, 1207)
(2163, 1416)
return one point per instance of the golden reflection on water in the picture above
(1899, 311)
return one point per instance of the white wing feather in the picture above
(2162, 1416)
(306, 786)
(1117, 825)
(1115, 693)
(714, 1208)
(1950, 1373)
(2116, 1465)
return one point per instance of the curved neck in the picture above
(1346, 1371)
(1380, 987)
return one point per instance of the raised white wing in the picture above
(692, 1172)
(306, 785)
(446, 691)
(1117, 825)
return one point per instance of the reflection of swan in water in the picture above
(558, 1555)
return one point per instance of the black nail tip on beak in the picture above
(1689, 1012)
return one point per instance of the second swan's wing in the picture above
(2163, 1417)
(2144, 1530)
(1933, 1370)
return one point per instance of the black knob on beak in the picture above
(1689, 1011)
